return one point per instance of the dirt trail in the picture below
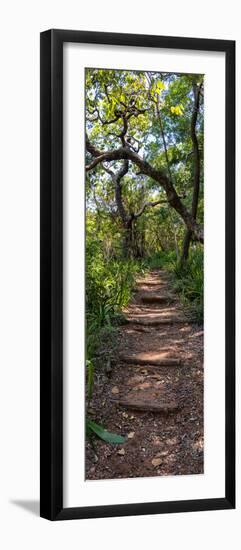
(153, 390)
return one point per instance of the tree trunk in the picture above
(127, 247)
(186, 245)
(132, 244)
(196, 175)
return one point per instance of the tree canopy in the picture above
(144, 158)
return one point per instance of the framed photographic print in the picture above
(137, 274)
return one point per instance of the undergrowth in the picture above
(109, 286)
(188, 279)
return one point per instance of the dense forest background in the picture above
(144, 190)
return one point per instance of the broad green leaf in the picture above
(90, 377)
(101, 432)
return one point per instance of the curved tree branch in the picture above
(116, 178)
(125, 153)
(147, 205)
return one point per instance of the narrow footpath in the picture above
(150, 389)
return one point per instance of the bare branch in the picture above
(147, 205)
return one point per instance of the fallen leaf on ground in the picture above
(115, 390)
(144, 385)
(131, 435)
(156, 461)
(135, 379)
(121, 452)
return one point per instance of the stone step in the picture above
(142, 329)
(152, 283)
(147, 405)
(156, 298)
(151, 358)
(153, 321)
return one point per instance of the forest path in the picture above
(154, 393)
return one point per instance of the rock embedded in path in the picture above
(153, 321)
(115, 390)
(146, 405)
(151, 358)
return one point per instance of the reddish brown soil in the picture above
(168, 439)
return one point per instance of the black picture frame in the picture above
(51, 324)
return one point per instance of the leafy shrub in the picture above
(160, 260)
(108, 288)
(187, 278)
(189, 282)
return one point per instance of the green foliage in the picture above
(187, 278)
(161, 260)
(189, 283)
(109, 283)
(108, 289)
(102, 433)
